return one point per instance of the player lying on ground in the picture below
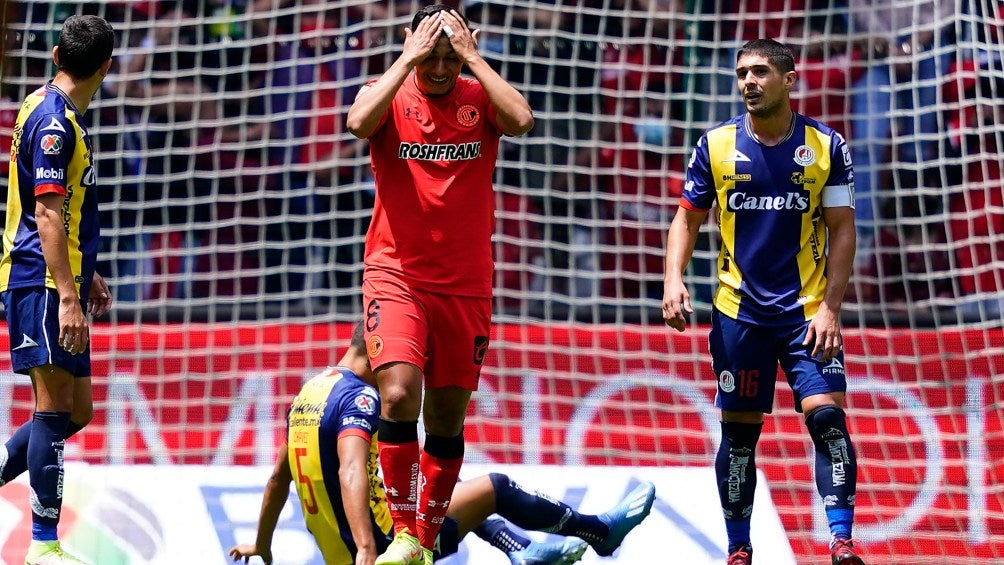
(331, 451)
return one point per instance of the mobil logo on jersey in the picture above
(49, 173)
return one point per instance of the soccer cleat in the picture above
(404, 550)
(741, 556)
(427, 556)
(842, 553)
(556, 553)
(622, 518)
(49, 553)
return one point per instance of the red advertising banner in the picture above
(923, 405)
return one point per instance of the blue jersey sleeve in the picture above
(699, 190)
(841, 168)
(53, 146)
(360, 410)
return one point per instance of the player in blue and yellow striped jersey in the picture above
(784, 189)
(47, 273)
(331, 457)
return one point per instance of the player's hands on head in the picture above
(246, 550)
(419, 42)
(463, 40)
(676, 305)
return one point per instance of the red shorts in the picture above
(445, 336)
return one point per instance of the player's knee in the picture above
(500, 483)
(825, 418)
(400, 402)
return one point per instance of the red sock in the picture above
(399, 462)
(439, 477)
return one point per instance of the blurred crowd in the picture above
(222, 129)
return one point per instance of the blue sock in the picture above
(735, 468)
(836, 467)
(496, 532)
(532, 510)
(45, 472)
(17, 451)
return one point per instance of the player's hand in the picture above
(418, 43)
(246, 550)
(365, 556)
(73, 329)
(99, 299)
(824, 334)
(463, 40)
(676, 305)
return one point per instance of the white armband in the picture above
(836, 196)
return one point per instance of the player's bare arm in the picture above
(353, 454)
(274, 498)
(73, 330)
(513, 111)
(680, 243)
(372, 102)
(824, 330)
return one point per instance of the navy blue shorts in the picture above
(33, 327)
(745, 359)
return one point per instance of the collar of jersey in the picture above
(65, 96)
(787, 136)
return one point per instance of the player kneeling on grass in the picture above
(331, 450)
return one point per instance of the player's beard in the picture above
(764, 111)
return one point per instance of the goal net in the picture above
(235, 206)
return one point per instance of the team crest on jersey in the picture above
(374, 346)
(468, 115)
(805, 156)
(726, 381)
(51, 144)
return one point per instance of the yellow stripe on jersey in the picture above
(722, 150)
(305, 463)
(811, 267)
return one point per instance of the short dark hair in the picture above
(432, 10)
(778, 55)
(85, 43)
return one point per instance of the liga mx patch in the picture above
(480, 349)
(51, 144)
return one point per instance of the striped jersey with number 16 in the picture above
(772, 262)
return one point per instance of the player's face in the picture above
(437, 73)
(763, 87)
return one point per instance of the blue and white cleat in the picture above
(554, 553)
(621, 519)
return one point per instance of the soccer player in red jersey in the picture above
(427, 285)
